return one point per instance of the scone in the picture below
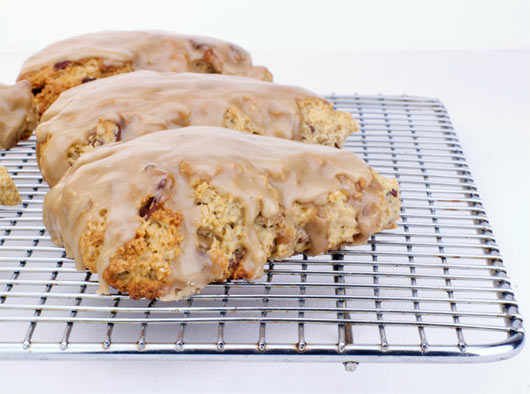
(126, 106)
(18, 113)
(81, 59)
(163, 215)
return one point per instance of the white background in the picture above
(474, 55)
(282, 24)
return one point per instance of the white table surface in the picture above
(487, 94)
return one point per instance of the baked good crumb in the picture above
(8, 190)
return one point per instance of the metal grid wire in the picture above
(432, 290)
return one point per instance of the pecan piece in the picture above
(148, 208)
(235, 259)
(96, 142)
(117, 132)
(61, 65)
(302, 239)
(161, 184)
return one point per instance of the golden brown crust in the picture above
(141, 266)
(106, 132)
(50, 81)
(321, 124)
(236, 120)
(92, 239)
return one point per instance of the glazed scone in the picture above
(163, 215)
(8, 190)
(126, 106)
(81, 59)
(18, 113)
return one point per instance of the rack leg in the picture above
(350, 366)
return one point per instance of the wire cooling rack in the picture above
(432, 290)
